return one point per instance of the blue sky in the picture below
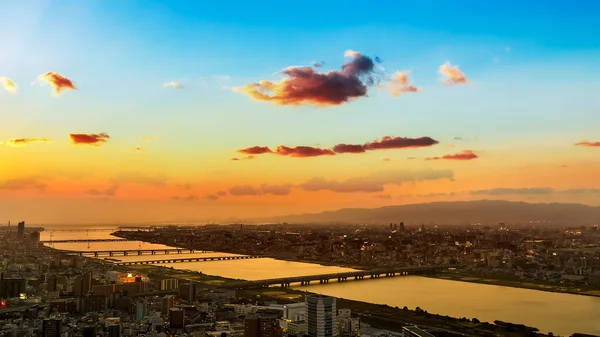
(533, 68)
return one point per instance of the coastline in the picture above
(531, 285)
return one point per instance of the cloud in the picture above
(463, 155)
(190, 197)
(25, 141)
(382, 196)
(303, 151)
(309, 151)
(215, 196)
(147, 139)
(243, 158)
(111, 191)
(89, 139)
(385, 159)
(175, 85)
(8, 85)
(535, 191)
(588, 143)
(398, 84)
(57, 81)
(388, 142)
(451, 74)
(349, 148)
(255, 150)
(305, 86)
(513, 191)
(410, 158)
(276, 189)
(458, 138)
(581, 191)
(244, 190)
(376, 182)
(185, 186)
(23, 183)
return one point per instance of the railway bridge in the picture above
(126, 252)
(84, 241)
(191, 259)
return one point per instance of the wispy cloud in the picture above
(23, 183)
(305, 86)
(147, 139)
(452, 75)
(243, 158)
(89, 139)
(109, 192)
(175, 85)
(398, 84)
(191, 197)
(245, 190)
(588, 143)
(58, 82)
(376, 182)
(463, 155)
(9, 85)
(255, 150)
(26, 141)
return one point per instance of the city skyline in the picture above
(154, 112)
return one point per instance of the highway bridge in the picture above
(325, 278)
(85, 241)
(126, 252)
(191, 259)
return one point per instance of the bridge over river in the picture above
(340, 277)
(126, 252)
(191, 259)
(84, 240)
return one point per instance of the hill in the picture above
(483, 211)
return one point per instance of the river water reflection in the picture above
(561, 314)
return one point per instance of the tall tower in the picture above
(321, 316)
(21, 229)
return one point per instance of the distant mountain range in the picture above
(489, 212)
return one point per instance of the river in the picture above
(561, 314)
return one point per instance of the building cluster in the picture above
(528, 252)
(45, 292)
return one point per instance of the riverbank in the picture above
(541, 286)
(393, 318)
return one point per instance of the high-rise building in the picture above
(321, 314)
(347, 326)
(11, 288)
(413, 331)
(82, 285)
(51, 328)
(261, 326)
(169, 284)
(89, 331)
(187, 292)
(176, 316)
(141, 309)
(34, 239)
(114, 330)
(21, 229)
(167, 303)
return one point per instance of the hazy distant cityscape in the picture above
(75, 282)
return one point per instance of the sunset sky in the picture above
(126, 111)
